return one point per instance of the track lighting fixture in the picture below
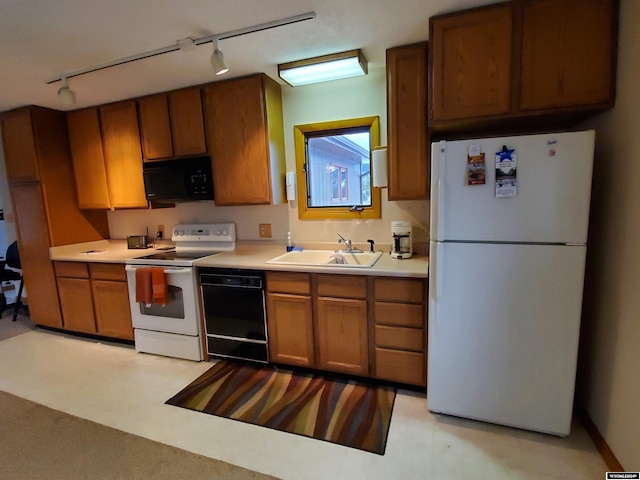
(217, 59)
(65, 94)
(218, 63)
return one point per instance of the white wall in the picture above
(609, 373)
(337, 100)
(349, 98)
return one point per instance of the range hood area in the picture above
(178, 180)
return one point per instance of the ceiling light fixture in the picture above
(184, 45)
(65, 94)
(322, 69)
(217, 60)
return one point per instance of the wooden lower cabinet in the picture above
(76, 304)
(401, 366)
(290, 327)
(341, 335)
(400, 330)
(354, 324)
(111, 303)
(94, 298)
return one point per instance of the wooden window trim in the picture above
(338, 212)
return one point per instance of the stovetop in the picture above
(193, 241)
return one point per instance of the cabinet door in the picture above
(187, 123)
(113, 316)
(88, 159)
(290, 327)
(341, 335)
(19, 146)
(237, 137)
(155, 127)
(471, 63)
(76, 304)
(33, 241)
(123, 155)
(407, 122)
(568, 53)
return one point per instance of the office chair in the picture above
(12, 259)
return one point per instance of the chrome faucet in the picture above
(347, 244)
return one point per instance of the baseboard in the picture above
(601, 444)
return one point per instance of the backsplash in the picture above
(246, 218)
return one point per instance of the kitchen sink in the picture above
(327, 258)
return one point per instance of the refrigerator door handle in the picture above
(437, 191)
(436, 274)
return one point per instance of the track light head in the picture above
(217, 60)
(65, 94)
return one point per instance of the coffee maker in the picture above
(401, 233)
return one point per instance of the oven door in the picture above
(179, 315)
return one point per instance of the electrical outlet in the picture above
(265, 230)
(160, 231)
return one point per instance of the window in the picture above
(333, 163)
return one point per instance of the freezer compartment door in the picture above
(504, 324)
(552, 203)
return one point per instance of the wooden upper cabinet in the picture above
(172, 124)
(20, 153)
(540, 62)
(187, 122)
(155, 127)
(88, 160)
(123, 154)
(568, 53)
(246, 140)
(471, 63)
(407, 150)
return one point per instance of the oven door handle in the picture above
(188, 270)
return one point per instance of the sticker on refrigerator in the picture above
(476, 169)
(506, 173)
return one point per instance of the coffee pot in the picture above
(402, 245)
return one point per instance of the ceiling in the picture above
(43, 39)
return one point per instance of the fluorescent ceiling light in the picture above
(324, 68)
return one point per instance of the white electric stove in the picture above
(175, 329)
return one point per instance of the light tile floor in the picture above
(113, 385)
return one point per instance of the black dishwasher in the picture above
(234, 311)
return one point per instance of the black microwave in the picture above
(178, 180)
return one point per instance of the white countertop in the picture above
(102, 251)
(247, 255)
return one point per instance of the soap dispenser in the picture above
(290, 244)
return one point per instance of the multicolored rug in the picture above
(346, 412)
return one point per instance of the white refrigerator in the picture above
(506, 276)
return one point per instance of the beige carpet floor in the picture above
(38, 443)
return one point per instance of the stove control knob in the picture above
(225, 232)
(217, 233)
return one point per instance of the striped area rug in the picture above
(345, 412)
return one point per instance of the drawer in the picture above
(288, 282)
(108, 271)
(400, 366)
(400, 337)
(399, 290)
(342, 286)
(71, 269)
(399, 314)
